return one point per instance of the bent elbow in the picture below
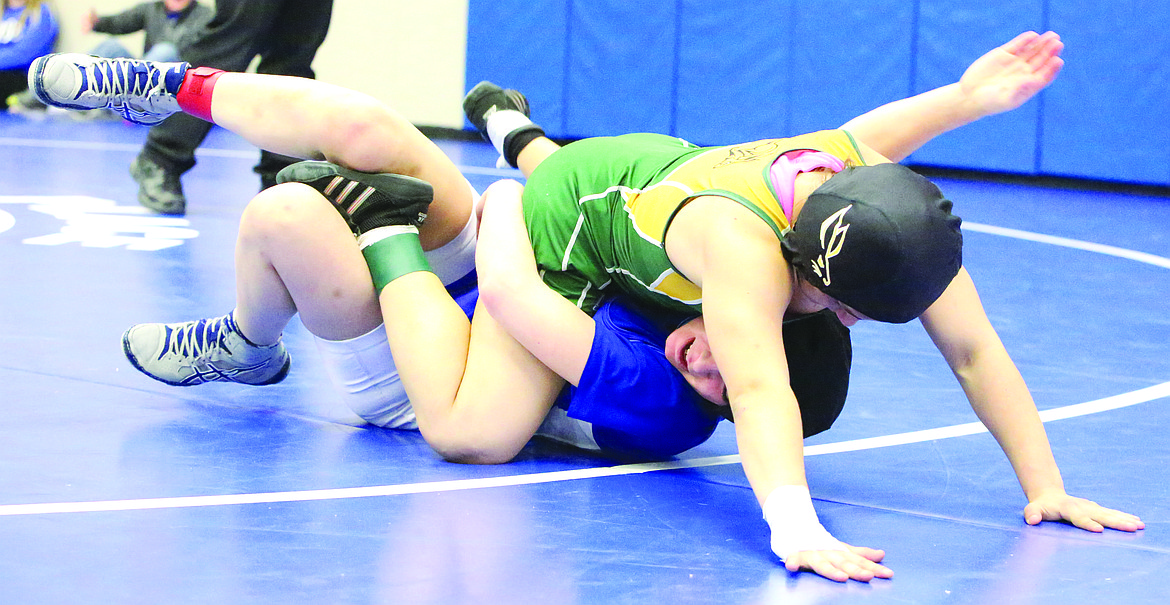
(464, 450)
(475, 455)
(495, 294)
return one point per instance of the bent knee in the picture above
(286, 207)
(370, 137)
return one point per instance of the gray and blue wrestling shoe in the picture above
(206, 350)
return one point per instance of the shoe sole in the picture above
(486, 87)
(483, 88)
(36, 77)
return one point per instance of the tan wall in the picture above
(409, 54)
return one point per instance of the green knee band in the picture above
(393, 257)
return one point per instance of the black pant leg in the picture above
(12, 81)
(229, 42)
(297, 33)
(172, 142)
(237, 33)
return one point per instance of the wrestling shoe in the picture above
(159, 189)
(365, 200)
(486, 99)
(206, 350)
(143, 92)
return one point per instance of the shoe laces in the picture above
(197, 339)
(121, 78)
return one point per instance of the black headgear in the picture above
(880, 239)
(820, 356)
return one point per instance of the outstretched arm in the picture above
(999, 81)
(724, 248)
(960, 329)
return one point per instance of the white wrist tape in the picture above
(794, 523)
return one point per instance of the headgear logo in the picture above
(833, 231)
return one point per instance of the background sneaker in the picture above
(25, 103)
(159, 189)
(487, 98)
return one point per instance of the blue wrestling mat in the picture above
(119, 489)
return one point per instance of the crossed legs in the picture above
(478, 395)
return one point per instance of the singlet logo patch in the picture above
(833, 231)
(743, 153)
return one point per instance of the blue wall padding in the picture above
(847, 58)
(521, 44)
(1108, 116)
(733, 83)
(950, 39)
(721, 72)
(621, 66)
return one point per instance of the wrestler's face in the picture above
(808, 299)
(175, 6)
(688, 351)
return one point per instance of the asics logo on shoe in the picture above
(211, 373)
(206, 350)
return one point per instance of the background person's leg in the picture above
(297, 32)
(240, 30)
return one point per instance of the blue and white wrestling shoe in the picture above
(142, 91)
(205, 350)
